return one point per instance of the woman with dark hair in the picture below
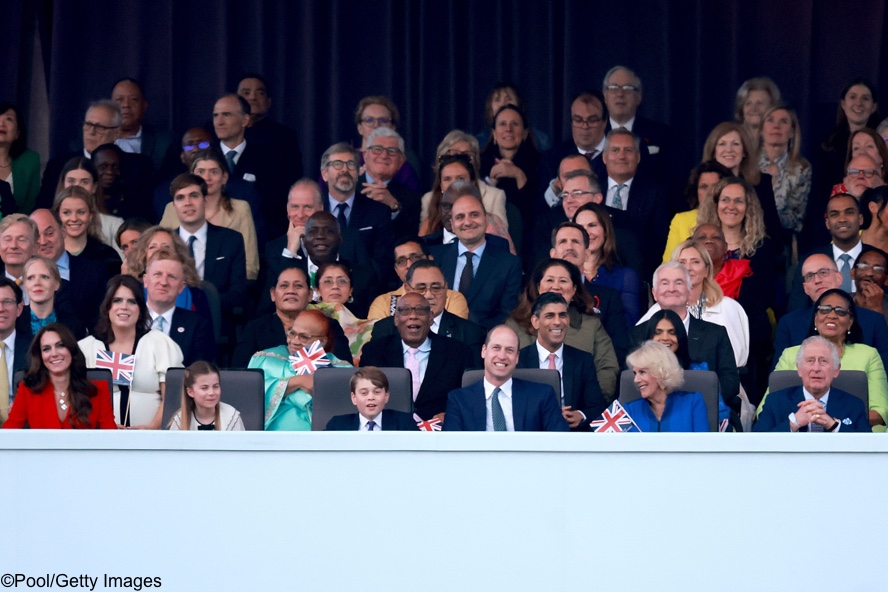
(124, 328)
(333, 286)
(19, 166)
(834, 317)
(585, 330)
(510, 159)
(202, 407)
(55, 392)
(702, 178)
(601, 265)
(507, 93)
(875, 217)
(221, 209)
(858, 108)
(288, 395)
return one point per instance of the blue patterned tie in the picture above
(496, 410)
(230, 159)
(816, 427)
(618, 198)
(845, 268)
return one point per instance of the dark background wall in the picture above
(438, 59)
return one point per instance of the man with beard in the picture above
(869, 277)
(371, 220)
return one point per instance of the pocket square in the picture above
(653, 149)
(220, 258)
(250, 177)
(846, 421)
(365, 228)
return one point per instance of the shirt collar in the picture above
(364, 421)
(506, 389)
(544, 353)
(436, 323)
(200, 233)
(853, 251)
(809, 396)
(611, 183)
(425, 347)
(447, 236)
(335, 202)
(628, 125)
(479, 250)
(239, 148)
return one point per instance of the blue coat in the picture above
(534, 408)
(684, 412)
(841, 406)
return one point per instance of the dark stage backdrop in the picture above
(437, 59)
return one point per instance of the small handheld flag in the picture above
(614, 419)
(431, 425)
(122, 366)
(308, 359)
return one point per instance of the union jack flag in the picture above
(121, 366)
(431, 425)
(614, 419)
(723, 425)
(308, 359)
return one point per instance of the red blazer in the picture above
(37, 410)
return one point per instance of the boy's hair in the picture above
(376, 377)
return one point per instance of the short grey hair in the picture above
(660, 363)
(672, 265)
(337, 148)
(635, 79)
(386, 132)
(622, 131)
(461, 188)
(833, 352)
(312, 186)
(110, 106)
(594, 185)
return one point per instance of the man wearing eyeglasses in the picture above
(862, 173)
(436, 363)
(820, 273)
(869, 277)
(370, 220)
(383, 157)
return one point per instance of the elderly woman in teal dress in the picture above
(288, 395)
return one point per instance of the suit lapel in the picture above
(519, 406)
(478, 406)
(569, 363)
(448, 262)
(482, 273)
(447, 326)
(436, 362)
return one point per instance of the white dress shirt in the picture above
(612, 191)
(131, 144)
(364, 421)
(543, 354)
(238, 150)
(505, 400)
(10, 361)
(447, 236)
(167, 319)
(200, 247)
(628, 125)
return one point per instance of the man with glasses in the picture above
(425, 278)
(355, 212)
(383, 157)
(862, 173)
(869, 277)
(820, 273)
(436, 363)
(409, 250)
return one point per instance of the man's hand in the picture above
(379, 192)
(294, 238)
(812, 411)
(573, 418)
(869, 295)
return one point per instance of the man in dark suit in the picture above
(290, 295)
(843, 221)
(819, 274)
(137, 137)
(371, 220)
(707, 342)
(383, 158)
(277, 138)
(814, 406)
(640, 197)
(14, 344)
(425, 278)
(7, 201)
(500, 403)
(370, 394)
(490, 279)
(581, 396)
(218, 252)
(436, 363)
(164, 280)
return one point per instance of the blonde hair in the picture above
(50, 266)
(711, 290)
(749, 165)
(660, 363)
(76, 192)
(753, 225)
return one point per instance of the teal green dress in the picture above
(285, 412)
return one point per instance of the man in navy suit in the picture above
(437, 363)
(136, 136)
(490, 279)
(164, 280)
(581, 396)
(500, 403)
(814, 406)
(371, 220)
(370, 394)
(16, 344)
(819, 274)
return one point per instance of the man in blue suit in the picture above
(500, 403)
(814, 406)
(370, 394)
(820, 273)
(489, 278)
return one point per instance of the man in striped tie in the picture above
(499, 402)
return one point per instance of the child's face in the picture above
(206, 391)
(369, 398)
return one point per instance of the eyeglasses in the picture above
(376, 121)
(97, 127)
(303, 337)
(198, 146)
(867, 266)
(418, 310)
(825, 309)
(588, 122)
(378, 150)
(340, 281)
(8, 303)
(620, 87)
(409, 259)
(435, 289)
(821, 273)
(868, 173)
(576, 194)
(338, 164)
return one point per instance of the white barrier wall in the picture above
(392, 511)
